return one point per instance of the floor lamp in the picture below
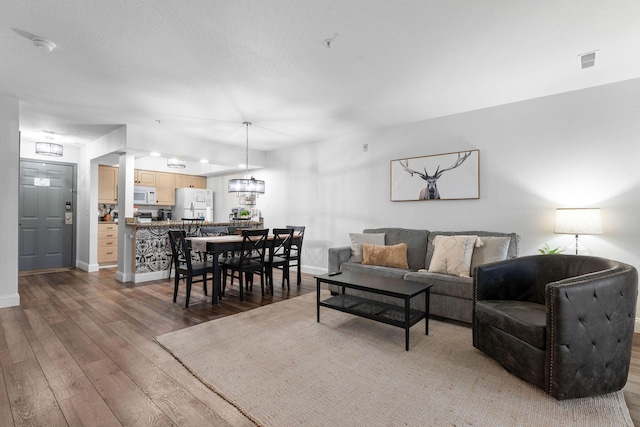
(578, 221)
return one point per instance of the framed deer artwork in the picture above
(450, 176)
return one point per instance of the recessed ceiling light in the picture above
(43, 44)
(154, 154)
(204, 161)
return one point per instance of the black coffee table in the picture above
(402, 317)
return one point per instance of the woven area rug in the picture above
(280, 367)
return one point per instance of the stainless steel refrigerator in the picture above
(193, 203)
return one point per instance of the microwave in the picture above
(144, 195)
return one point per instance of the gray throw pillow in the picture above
(494, 249)
(357, 239)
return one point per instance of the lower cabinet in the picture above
(107, 243)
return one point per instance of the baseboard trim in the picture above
(152, 275)
(12, 300)
(89, 268)
(313, 270)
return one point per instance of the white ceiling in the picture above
(203, 67)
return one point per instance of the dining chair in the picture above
(279, 255)
(214, 230)
(248, 263)
(184, 265)
(296, 249)
(192, 226)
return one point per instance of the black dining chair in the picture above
(279, 255)
(212, 231)
(184, 265)
(248, 263)
(296, 249)
(192, 226)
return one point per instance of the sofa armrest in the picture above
(337, 256)
(511, 279)
(590, 321)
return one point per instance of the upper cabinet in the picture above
(190, 181)
(166, 188)
(107, 184)
(144, 178)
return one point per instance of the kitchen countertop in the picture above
(133, 222)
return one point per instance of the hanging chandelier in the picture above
(248, 188)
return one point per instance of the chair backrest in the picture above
(192, 226)
(282, 239)
(254, 244)
(298, 231)
(180, 249)
(214, 231)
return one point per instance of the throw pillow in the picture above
(452, 254)
(357, 239)
(494, 249)
(385, 256)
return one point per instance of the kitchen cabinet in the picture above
(107, 243)
(144, 178)
(190, 181)
(107, 184)
(165, 188)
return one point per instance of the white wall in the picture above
(578, 149)
(9, 175)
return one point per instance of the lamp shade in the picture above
(246, 186)
(578, 221)
(176, 163)
(49, 149)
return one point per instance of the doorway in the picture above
(47, 220)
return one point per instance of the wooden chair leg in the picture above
(188, 291)
(175, 287)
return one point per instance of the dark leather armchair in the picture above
(561, 322)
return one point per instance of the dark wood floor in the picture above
(79, 350)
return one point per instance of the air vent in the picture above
(588, 60)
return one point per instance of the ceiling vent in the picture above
(588, 60)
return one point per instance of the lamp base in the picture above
(577, 248)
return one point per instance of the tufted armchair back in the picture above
(562, 322)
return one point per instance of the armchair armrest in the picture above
(590, 321)
(337, 256)
(511, 279)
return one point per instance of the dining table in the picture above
(216, 246)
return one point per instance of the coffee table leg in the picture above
(407, 307)
(426, 309)
(318, 299)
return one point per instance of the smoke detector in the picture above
(43, 44)
(588, 60)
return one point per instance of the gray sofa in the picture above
(451, 296)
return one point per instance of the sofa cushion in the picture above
(444, 284)
(357, 239)
(494, 248)
(385, 256)
(522, 319)
(512, 252)
(452, 255)
(396, 273)
(416, 241)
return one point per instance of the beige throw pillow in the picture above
(357, 239)
(452, 254)
(385, 256)
(494, 249)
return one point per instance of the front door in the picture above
(47, 206)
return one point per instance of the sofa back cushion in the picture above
(416, 241)
(357, 239)
(512, 251)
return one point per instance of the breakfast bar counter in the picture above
(151, 249)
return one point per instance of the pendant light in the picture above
(248, 188)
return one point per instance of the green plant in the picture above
(244, 212)
(547, 250)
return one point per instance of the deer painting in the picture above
(431, 190)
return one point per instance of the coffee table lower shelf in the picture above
(374, 310)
